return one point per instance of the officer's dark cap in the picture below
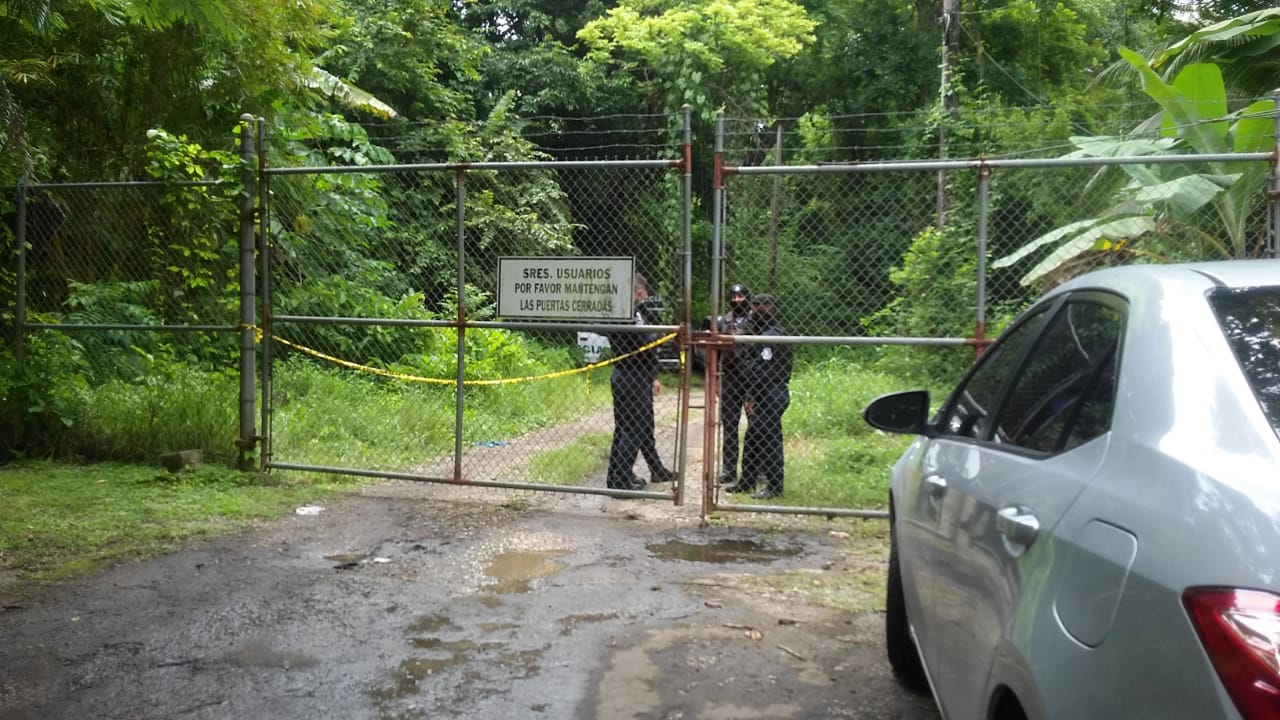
(763, 299)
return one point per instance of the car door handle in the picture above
(1017, 524)
(936, 483)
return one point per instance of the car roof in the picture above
(1189, 276)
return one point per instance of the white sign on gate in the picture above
(565, 288)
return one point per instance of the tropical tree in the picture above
(709, 54)
(93, 76)
(1192, 209)
(1246, 48)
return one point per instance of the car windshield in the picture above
(1250, 319)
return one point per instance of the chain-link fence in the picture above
(404, 306)
(941, 254)
(115, 285)
(145, 254)
(386, 349)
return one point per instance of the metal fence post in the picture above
(984, 195)
(20, 311)
(711, 416)
(460, 388)
(717, 218)
(1273, 197)
(686, 319)
(264, 282)
(248, 293)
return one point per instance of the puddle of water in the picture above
(409, 673)
(457, 647)
(430, 623)
(516, 571)
(524, 663)
(721, 552)
(439, 644)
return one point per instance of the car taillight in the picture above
(1240, 630)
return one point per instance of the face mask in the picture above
(739, 306)
(760, 318)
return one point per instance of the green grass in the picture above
(833, 458)
(340, 418)
(176, 408)
(62, 520)
(569, 465)
(58, 520)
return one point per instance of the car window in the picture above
(973, 402)
(1064, 393)
(1250, 319)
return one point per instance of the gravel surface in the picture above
(411, 600)
(421, 600)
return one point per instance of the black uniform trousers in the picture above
(733, 396)
(762, 455)
(632, 425)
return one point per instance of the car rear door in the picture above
(1008, 485)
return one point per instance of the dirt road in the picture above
(425, 601)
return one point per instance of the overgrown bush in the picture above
(168, 406)
(41, 400)
(935, 296)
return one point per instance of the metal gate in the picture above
(832, 240)
(826, 239)
(546, 406)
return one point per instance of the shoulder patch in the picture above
(766, 354)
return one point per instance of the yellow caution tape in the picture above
(257, 332)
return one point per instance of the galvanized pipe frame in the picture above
(461, 323)
(984, 167)
(22, 326)
(689, 340)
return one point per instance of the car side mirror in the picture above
(901, 412)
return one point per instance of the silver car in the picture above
(1089, 526)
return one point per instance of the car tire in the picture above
(904, 658)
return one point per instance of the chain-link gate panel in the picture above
(133, 287)
(824, 245)
(402, 307)
(145, 254)
(941, 255)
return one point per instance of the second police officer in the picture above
(733, 379)
(768, 396)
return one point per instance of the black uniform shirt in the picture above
(646, 363)
(770, 362)
(737, 360)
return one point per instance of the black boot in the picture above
(634, 483)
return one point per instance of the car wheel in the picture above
(901, 649)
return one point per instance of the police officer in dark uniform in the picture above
(769, 395)
(634, 382)
(733, 379)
